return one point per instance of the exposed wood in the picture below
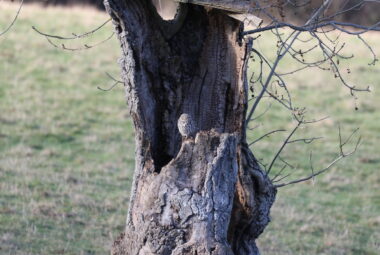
(250, 21)
(187, 207)
(235, 6)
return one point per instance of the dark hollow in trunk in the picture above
(198, 195)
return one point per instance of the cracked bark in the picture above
(202, 195)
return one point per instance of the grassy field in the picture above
(67, 153)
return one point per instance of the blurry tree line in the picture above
(365, 12)
(96, 3)
(354, 11)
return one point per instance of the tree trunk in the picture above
(198, 195)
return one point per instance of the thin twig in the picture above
(86, 46)
(283, 146)
(14, 19)
(75, 36)
(266, 135)
(313, 27)
(314, 174)
(116, 82)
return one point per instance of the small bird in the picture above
(186, 125)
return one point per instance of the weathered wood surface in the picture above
(188, 205)
(206, 196)
(236, 6)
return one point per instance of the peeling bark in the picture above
(205, 195)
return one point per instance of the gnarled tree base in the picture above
(190, 202)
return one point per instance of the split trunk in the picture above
(204, 194)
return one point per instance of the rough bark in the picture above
(201, 195)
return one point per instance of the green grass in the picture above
(66, 148)
(67, 153)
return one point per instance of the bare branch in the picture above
(263, 113)
(375, 59)
(113, 78)
(279, 173)
(266, 135)
(283, 146)
(341, 26)
(14, 19)
(116, 82)
(86, 46)
(284, 49)
(74, 36)
(305, 140)
(336, 160)
(282, 178)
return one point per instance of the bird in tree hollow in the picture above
(186, 126)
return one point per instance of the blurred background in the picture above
(368, 13)
(67, 146)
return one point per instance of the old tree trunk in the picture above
(200, 195)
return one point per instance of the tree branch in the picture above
(14, 19)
